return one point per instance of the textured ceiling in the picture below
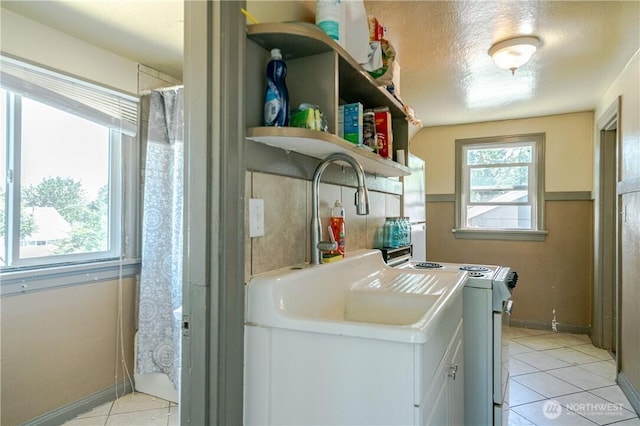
(447, 75)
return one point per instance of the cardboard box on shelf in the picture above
(384, 132)
(350, 122)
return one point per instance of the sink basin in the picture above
(385, 308)
(358, 296)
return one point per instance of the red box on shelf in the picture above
(384, 133)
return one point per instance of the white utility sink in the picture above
(357, 296)
(379, 307)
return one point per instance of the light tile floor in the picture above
(134, 409)
(562, 379)
(556, 379)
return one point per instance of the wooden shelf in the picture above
(298, 40)
(323, 73)
(319, 145)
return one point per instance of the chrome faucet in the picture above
(361, 202)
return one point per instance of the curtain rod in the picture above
(162, 89)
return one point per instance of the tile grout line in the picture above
(546, 398)
(611, 402)
(579, 365)
(604, 424)
(107, 416)
(561, 379)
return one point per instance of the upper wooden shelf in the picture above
(297, 40)
(321, 144)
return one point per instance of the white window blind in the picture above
(107, 107)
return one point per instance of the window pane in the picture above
(515, 154)
(3, 175)
(497, 196)
(499, 217)
(65, 183)
(499, 184)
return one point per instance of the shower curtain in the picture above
(160, 294)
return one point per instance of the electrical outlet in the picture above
(256, 217)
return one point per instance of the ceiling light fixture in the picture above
(513, 53)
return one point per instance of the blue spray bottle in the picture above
(276, 100)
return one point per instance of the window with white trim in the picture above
(500, 186)
(63, 188)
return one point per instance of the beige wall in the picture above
(568, 147)
(287, 220)
(30, 40)
(627, 86)
(282, 11)
(556, 274)
(59, 346)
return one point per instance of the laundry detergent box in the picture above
(350, 118)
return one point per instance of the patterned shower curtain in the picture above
(158, 337)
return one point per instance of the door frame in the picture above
(211, 390)
(605, 330)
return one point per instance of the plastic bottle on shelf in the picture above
(276, 99)
(330, 17)
(338, 227)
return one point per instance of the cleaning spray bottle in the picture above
(276, 99)
(338, 227)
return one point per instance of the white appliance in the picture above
(413, 205)
(486, 298)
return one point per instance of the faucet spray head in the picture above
(362, 201)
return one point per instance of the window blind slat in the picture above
(118, 111)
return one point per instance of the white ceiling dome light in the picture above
(512, 53)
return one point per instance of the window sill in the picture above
(495, 234)
(28, 281)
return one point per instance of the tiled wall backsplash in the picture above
(287, 219)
